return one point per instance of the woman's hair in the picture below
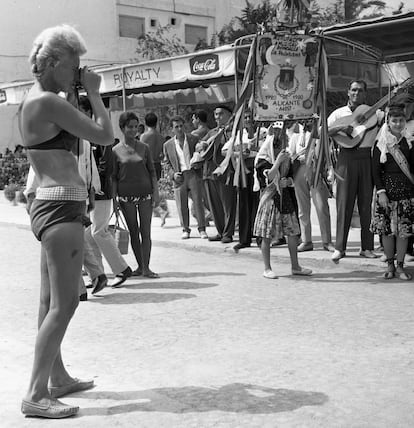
(54, 43)
(396, 110)
(126, 117)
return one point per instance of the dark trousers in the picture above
(222, 201)
(140, 232)
(354, 166)
(248, 203)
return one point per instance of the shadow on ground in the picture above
(181, 285)
(198, 274)
(132, 298)
(235, 398)
(353, 277)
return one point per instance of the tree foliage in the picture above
(252, 19)
(264, 15)
(161, 43)
(356, 9)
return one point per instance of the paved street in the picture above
(213, 344)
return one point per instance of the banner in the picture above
(286, 74)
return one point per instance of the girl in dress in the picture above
(392, 165)
(277, 213)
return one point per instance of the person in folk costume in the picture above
(277, 213)
(393, 167)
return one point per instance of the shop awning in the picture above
(390, 37)
(196, 67)
(213, 94)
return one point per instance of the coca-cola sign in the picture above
(204, 64)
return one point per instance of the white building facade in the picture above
(110, 27)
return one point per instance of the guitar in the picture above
(362, 123)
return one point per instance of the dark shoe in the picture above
(137, 272)
(226, 240)
(122, 277)
(305, 246)
(239, 246)
(83, 297)
(100, 283)
(214, 238)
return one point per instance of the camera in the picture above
(78, 83)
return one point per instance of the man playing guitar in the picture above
(353, 172)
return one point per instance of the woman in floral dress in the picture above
(392, 165)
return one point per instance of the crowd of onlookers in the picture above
(14, 167)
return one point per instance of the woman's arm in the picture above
(60, 112)
(152, 172)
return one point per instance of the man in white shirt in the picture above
(354, 178)
(177, 154)
(299, 139)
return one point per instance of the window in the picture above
(173, 21)
(131, 26)
(195, 33)
(153, 22)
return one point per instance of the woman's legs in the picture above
(388, 241)
(401, 245)
(58, 373)
(293, 251)
(129, 211)
(61, 269)
(265, 248)
(145, 216)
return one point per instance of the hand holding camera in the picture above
(88, 79)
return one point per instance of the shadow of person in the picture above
(131, 298)
(199, 274)
(235, 398)
(170, 285)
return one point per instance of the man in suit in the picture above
(221, 193)
(177, 154)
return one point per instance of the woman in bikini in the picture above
(50, 127)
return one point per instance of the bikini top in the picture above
(62, 141)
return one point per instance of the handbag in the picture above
(120, 232)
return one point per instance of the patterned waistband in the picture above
(61, 193)
(135, 199)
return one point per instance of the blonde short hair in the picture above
(54, 43)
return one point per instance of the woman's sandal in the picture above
(390, 273)
(405, 276)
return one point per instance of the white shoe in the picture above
(269, 274)
(185, 235)
(369, 254)
(337, 255)
(203, 234)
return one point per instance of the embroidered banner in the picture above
(286, 73)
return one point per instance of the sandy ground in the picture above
(213, 344)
